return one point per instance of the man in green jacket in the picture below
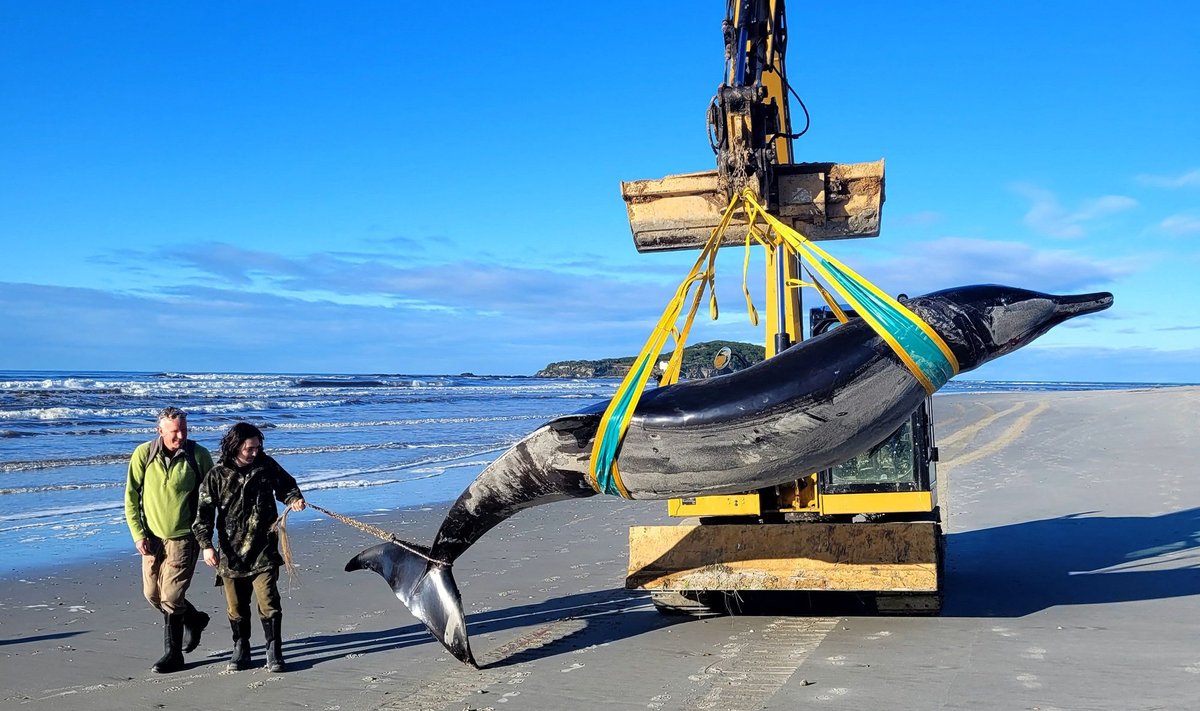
(160, 505)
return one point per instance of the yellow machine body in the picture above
(791, 499)
(808, 534)
(845, 557)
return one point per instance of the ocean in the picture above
(355, 443)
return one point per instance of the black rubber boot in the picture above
(274, 643)
(194, 622)
(240, 658)
(172, 658)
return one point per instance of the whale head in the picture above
(983, 322)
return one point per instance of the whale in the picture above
(814, 405)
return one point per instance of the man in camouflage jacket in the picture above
(240, 493)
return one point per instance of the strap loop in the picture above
(917, 345)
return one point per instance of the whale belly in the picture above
(754, 449)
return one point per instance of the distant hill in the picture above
(697, 362)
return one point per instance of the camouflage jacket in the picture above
(242, 499)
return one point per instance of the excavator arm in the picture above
(749, 129)
(749, 126)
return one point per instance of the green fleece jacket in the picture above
(161, 491)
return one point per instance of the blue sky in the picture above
(398, 187)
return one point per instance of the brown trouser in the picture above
(167, 573)
(266, 593)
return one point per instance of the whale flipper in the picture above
(426, 588)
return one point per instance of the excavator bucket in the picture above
(821, 201)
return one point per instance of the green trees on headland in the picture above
(697, 362)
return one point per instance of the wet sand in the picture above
(1072, 583)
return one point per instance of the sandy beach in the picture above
(1072, 583)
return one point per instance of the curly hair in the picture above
(233, 440)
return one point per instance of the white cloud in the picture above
(956, 261)
(1180, 225)
(340, 312)
(1190, 179)
(451, 318)
(1048, 216)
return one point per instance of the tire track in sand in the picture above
(505, 668)
(754, 667)
(463, 682)
(973, 429)
(1005, 438)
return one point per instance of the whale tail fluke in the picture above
(426, 587)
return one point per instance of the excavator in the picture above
(870, 527)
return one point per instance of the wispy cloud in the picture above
(1181, 225)
(253, 309)
(245, 330)
(1048, 216)
(531, 321)
(459, 287)
(955, 261)
(565, 309)
(229, 263)
(926, 218)
(1081, 364)
(1190, 179)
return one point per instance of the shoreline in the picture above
(112, 543)
(116, 554)
(108, 540)
(1072, 582)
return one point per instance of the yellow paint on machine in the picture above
(824, 504)
(893, 557)
(721, 505)
(881, 502)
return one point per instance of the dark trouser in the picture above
(265, 588)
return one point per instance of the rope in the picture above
(280, 527)
(285, 546)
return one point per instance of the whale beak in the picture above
(1066, 307)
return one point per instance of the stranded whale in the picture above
(812, 406)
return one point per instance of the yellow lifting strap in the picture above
(831, 302)
(604, 475)
(919, 347)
